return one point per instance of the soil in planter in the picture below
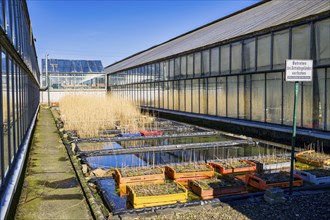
(218, 183)
(194, 167)
(234, 164)
(139, 171)
(274, 177)
(156, 189)
(272, 160)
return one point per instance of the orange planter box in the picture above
(301, 158)
(217, 191)
(261, 184)
(220, 169)
(185, 176)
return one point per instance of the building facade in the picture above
(19, 86)
(233, 69)
(73, 74)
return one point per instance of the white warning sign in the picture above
(299, 70)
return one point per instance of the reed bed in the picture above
(88, 114)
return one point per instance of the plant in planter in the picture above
(184, 172)
(314, 158)
(233, 166)
(264, 181)
(156, 194)
(215, 187)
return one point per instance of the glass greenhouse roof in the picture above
(72, 66)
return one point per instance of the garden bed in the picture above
(313, 158)
(216, 187)
(234, 166)
(184, 172)
(141, 196)
(269, 180)
(317, 176)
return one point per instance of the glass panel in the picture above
(171, 70)
(215, 61)
(188, 95)
(232, 96)
(170, 95)
(6, 112)
(161, 95)
(274, 98)
(222, 98)
(182, 95)
(177, 68)
(307, 104)
(195, 95)
(206, 62)
(244, 96)
(183, 67)
(165, 69)
(1, 25)
(176, 99)
(190, 70)
(319, 110)
(236, 57)
(203, 96)
(197, 64)
(288, 100)
(258, 97)
(166, 85)
(280, 49)
(249, 55)
(301, 42)
(11, 108)
(225, 50)
(322, 42)
(212, 96)
(328, 100)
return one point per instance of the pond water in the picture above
(192, 155)
(168, 141)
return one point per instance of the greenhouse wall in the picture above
(19, 85)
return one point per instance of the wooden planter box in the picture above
(137, 180)
(185, 176)
(151, 133)
(217, 191)
(309, 177)
(261, 184)
(149, 201)
(220, 169)
(301, 158)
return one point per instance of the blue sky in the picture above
(112, 30)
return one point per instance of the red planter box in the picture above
(261, 184)
(217, 191)
(151, 133)
(220, 169)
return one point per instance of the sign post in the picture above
(296, 71)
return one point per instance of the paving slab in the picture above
(50, 189)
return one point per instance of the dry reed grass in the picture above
(88, 114)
